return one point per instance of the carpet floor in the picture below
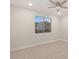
(54, 50)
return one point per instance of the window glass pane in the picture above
(42, 24)
(47, 24)
(38, 19)
(47, 19)
(38, 24)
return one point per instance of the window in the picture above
(42, 24)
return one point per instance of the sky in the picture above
(39, 19)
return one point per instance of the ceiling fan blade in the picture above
(64, 7)
(52, 7)
(52, 2)
(64, 1)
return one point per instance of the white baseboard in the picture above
(36, 44)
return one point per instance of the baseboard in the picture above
(32, 45)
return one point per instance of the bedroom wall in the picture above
(23, 27)
(64, 27)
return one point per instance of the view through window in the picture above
(42, 24)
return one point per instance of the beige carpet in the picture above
(54, 50)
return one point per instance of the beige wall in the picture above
(22, 28)
(64, 27)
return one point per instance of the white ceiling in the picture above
(39, 5)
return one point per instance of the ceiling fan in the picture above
(58, 4)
